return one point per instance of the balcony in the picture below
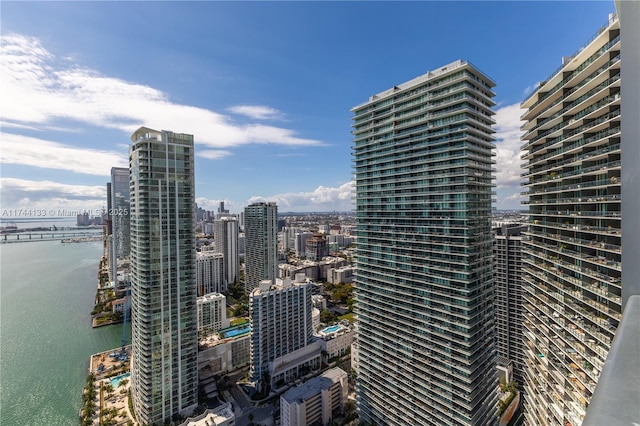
(615, 401)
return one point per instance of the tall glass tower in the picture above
(424, 290)
(261, 244)
(163, 292)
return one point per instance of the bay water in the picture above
(47, 292)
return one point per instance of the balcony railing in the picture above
(617, 395)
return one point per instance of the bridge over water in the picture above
(29, 236)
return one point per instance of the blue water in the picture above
(115, 382)
(331, 329)
(47, 291)
(236, 331)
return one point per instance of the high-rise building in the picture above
(572, 253)
(209, 273)
(261, 244)
(424, 289)
(119, 215)
(226, 242)
(281, 323)
(507, 267)
(164, 379)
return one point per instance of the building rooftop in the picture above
(313, 386)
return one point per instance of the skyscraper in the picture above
(507, 260)
(163, 291)
(119, 215)
(226, 242)
(261, 244)
(424, 290)
(572, 256)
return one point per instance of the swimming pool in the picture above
(331, 329)
(115, 382)
(236, 331)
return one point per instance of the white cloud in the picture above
(321, 199)
(38, 89)
(28, 151)
(257, 112)
(508, 145)
(50, 196)
(213, 154)
(529, 89)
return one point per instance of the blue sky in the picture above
(265, 88)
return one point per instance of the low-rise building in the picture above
(219, 416)
(317, 401)
(340, 275)
(226, 351)
(336, 340)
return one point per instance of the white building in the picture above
(212, 312)
(336, 340)
(281, 322)
(209, 273)
(340, 275)
(317, 401)
(219, 416)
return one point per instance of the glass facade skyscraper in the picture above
(163, 292)
(261, 244)
(423, 171)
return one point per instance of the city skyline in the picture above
(265, 91)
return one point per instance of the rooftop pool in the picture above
(331, 329)
(236, 331)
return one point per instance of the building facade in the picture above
(316, 247)
(424, 290)
(572, 253)
(119, 215)
(212, 313)
(507, 266)
(316, 402)
(281, 323)
(164, 378)
(226, 242)
(209, 273)
(261, 244)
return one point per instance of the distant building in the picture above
(301, 243)
(340, 275)
(212, 312)
(120, 214)
(226, 242)
(261, 258)
(164, 381)
(507, 275)
(209, 273)
(316, 247)
(317, 401)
